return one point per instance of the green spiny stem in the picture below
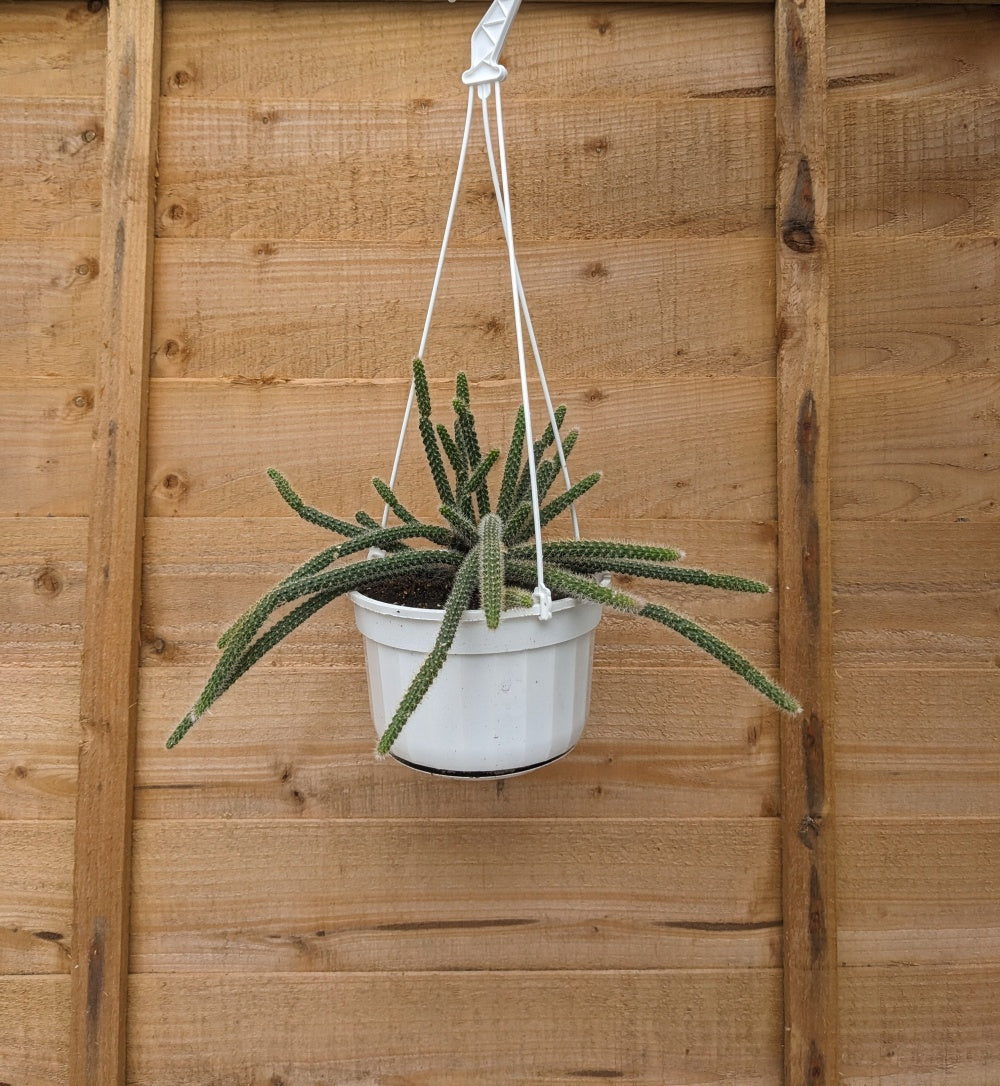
(477, 478)
(548, 472)
(331, 583)
(512, 466)
(599, 549)
(461, 592)
(523, 492)
(307, 512)
(386, 493)
(467, 437)
(421, 389)
(632, 567)
(548, 434)
(722, 652)
(452, 451)
(523, 573)
(567, 498)
(518, 525)
(491, 563)
(462, 388)
(513, 596)
(549, 512)
(366, 520)
(463, 525)
(267, 641)
(575, 585)
(434, 461)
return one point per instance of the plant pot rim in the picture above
(476, 615)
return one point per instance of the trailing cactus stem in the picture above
(461, 593)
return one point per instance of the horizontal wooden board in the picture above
(34, 1030)
(911, 51)
(374, 895)
(42, 570)
(451, 1029)
(271, 311)
(679, 742)
(918, 742)
(52, 48)
(211, 441)
(36, 896)
(50, 173)
(918, 891)
(903, 1024)
(906, 166)
(39, 741)
(916, 594)
(45, 439)
(915, 306)
(199, 577)
(48, 306)
(397, 52)
(383, 172)
(916, 448)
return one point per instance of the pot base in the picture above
(476, 774)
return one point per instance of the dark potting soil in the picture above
(429, 590)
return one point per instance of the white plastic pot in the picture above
(506, 701)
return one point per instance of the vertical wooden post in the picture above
(808, 874)
(111, 616)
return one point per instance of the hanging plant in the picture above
(480, 556)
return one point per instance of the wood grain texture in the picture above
(50, 174)
(809, 880)
(53, 48)
(914, 308)
(39, 707)
(906, 1024)
(910, 51)
(45, 437)
(271, 310)
(491, 894)
(916, 449)
(42, 571)
(915, 166)
(919, 743)
(34, 1028)
(210, 443)
(678, 742)
(49, 309)
(102, 850)
(454, 1028)
(919, 891)
(916, 594)
(395, 52)
(383, 172)
(36, 897)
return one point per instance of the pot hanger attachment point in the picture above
(487, 43)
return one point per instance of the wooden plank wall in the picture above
(301, 914)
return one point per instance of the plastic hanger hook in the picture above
(487, 42)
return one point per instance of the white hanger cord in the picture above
(434, 291)
(543, 597)
(502, 201)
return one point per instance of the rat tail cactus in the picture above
(485, 550)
